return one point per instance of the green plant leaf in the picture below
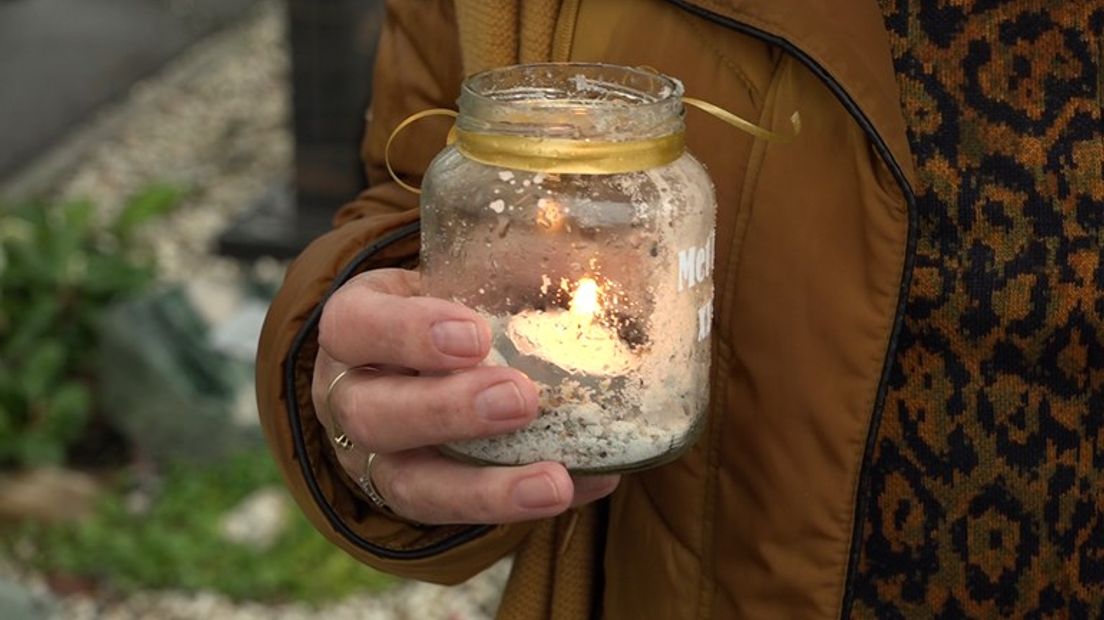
(36, 449)
(61, 269)
(30, 266)
(9, 435)
(149, 203)
(67, 411)
(32, 324)
(42, 368)
(77, 217)
(109, 277)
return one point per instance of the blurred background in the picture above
(160, 162)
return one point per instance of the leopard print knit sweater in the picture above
(987, 475)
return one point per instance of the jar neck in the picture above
(572, 101)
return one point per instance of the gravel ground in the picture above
(215, 123)
(474, 600)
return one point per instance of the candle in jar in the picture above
(573, 339)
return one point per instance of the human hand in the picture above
(376, 319)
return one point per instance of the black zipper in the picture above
(291, 394)
(862, 497)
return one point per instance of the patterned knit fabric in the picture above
(488, 33)
(538, 26)
(987, 478)
(494, 33)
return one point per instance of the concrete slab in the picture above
(62, 59)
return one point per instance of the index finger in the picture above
(371, 320)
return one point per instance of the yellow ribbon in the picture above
(403, 125)
(744, 125)
(563, 156)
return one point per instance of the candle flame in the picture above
(584, 301)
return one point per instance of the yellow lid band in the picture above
(564, 156)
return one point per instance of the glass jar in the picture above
(567, 212)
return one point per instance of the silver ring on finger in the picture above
(365, 483)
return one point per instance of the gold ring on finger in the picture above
(337, 434)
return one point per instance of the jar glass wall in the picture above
(596, 284)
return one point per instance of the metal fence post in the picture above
(333, 48)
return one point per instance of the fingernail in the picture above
(459, 338)
(499, 402)
(536, 492)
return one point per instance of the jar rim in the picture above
(572, 99)
(669, 88)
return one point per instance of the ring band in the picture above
(337, 434)
(366, 485)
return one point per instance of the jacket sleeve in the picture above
(418, 67)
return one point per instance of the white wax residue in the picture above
(576, 344)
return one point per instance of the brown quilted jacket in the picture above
(814, 240)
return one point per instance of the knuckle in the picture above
(393, 331)
(384, 280)
(486, 503)
(394, 486)
(430, 406)
(368, 280)
(334, 314)
(354, 412)
(393, 339)
(318, 394)
(318, 387)
(442, 416)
